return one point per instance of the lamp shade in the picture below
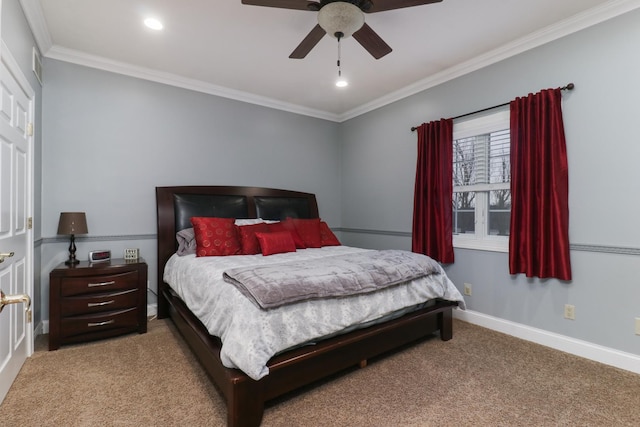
(72, 223)
(340, 17)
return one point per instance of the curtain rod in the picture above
(570, 86)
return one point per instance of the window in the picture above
(481, 182)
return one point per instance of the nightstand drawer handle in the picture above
(93, 285)
(98, 304)
(108, 322)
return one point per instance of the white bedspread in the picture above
(251, 336)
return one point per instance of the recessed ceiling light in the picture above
(342, 83)
(153, 23)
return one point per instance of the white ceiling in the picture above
(226, 48)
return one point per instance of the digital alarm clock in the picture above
(100, 256)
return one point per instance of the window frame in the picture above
(481, 239)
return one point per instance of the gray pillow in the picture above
(186, 242)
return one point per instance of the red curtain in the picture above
(433, 196)
(539, 236)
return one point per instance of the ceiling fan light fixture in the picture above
(340, 17)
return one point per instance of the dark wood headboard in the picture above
(176, 205)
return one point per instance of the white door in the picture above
(16, 111)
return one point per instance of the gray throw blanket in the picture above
(271, 286)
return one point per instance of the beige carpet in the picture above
(479, 378)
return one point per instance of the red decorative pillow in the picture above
(276, 243)
(288, 226)
(327, 238)
(309, 230)
(215, 236)
(248, 240)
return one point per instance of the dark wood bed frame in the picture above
(245, 397)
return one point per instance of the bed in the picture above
(300, 365)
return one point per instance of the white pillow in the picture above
(249, 221)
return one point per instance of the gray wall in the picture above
(601, 125)
(109, 140)
(134, 135)
(20, 42)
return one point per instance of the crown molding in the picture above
(538, 38)
(38, 24)
(596, 15)
(93, 61)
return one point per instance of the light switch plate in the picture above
(131, 254)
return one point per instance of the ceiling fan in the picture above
(340, 19)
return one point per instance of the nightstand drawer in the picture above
(86, 304)
(98, 283)
(96, 323)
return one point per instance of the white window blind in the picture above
(482, 159)
(481, 182)
(499, 157)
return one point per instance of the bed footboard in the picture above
(245, 398)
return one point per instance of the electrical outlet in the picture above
(637, 325)
(467, 289)
(570, 311)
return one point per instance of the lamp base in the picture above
(72, 252)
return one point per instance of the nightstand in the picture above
(92, 301)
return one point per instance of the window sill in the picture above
(493, 245)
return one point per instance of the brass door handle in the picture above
(4, 255)
(14, 299)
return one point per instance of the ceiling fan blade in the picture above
(284, 4)
(382, 5)
(308, 43)
(371, 42)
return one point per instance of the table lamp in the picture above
(72, 223)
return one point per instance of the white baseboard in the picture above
(152, 310)
(39, 330)
(598, 353)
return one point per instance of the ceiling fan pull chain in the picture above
(339, 36)
(340, 82)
